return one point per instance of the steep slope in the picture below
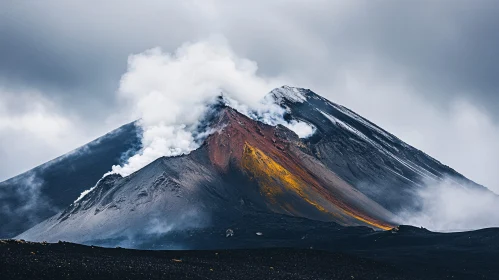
(245, 167)
(33, 196)
(376, 162)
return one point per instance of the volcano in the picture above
(349, 175)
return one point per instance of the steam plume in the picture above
(171, 92)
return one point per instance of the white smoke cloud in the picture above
(452, 206)
(171, 92)
(302, 129)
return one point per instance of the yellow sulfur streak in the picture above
(274, 179)
(269, 172)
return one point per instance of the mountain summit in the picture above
(350, 172)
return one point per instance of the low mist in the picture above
(450, 205)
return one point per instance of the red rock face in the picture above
(290, 180)
(235, 132)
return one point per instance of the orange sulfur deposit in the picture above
(275, 181)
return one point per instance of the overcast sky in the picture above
(426, 71)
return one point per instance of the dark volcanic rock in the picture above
(71, 261)
(353, 253)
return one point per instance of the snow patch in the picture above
(414, 167)
(290, 93)
(348, 127)
(361, 120)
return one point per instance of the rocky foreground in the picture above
(27, 260)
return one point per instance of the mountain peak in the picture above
(293, 94)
